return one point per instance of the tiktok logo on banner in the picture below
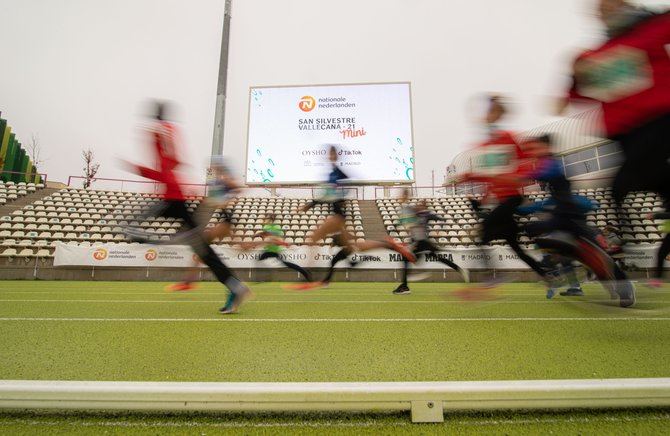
(307, 103)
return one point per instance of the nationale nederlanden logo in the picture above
(151, 254)
(307, 103)
(100, 254)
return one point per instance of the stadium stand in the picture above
(10, 191)
(87, 217)
(459, 228)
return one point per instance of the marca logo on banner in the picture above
(307, 103)
(151, 255)
(100, 254)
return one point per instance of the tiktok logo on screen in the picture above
(307, 103)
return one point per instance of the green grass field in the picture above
(348, 332)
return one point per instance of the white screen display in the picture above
(291, 129)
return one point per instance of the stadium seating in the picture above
(85, 217)
(459, 228)
(249, 212)
(10, 191)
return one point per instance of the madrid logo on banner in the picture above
(307, 103)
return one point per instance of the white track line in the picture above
(325, 320)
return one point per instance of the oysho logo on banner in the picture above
(307, 103)
(100, 254)
(151, 255)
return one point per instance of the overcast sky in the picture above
(76, 72)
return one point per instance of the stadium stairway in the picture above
(20, 202)
(372, 220)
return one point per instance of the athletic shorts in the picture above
(338, 208)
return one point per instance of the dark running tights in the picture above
(289, 265)
(340, 256)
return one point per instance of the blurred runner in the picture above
(416, 218)
(164, 143)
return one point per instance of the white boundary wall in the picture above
(427, 401)
(180, 256)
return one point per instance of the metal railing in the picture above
(42, 175)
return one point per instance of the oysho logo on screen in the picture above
(151, 254)
(100, 254)
(307, 103)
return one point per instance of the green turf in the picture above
(652, 422)
(348, 332)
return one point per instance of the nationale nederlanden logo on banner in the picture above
(100, 254)
(151, 255)
(307, 103)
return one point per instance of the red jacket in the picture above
(164, 143)
(498, 163)
(629, 75)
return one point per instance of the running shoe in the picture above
(654, 283)
(550, 293)
(573, 292)
(304, 286)
(480, 291)
(229, 303)
(233, 304)
(626, 292)
(401, 290)
(181, 287)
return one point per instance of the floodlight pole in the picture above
(220, 112)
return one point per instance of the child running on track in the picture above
(273, 244)
(498, 163)
(567, 217)
(416, 218)
(164, 144)
(222, 192)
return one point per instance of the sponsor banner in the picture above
(290, 128)
(641, 256)
(177, 256)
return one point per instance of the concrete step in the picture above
(372, 220)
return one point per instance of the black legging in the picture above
(426, 247)
(293, 266)
(500, 224)
(340, 256)
(197, 242)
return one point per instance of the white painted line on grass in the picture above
(325, 320)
